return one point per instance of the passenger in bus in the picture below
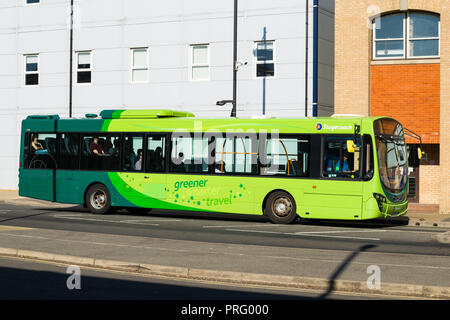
(96, 148)
(129, 157)
(159, 159)
(345, 167)
(36, 144)
(38, 148)
(108, 145)
(138, 164)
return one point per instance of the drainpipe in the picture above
(315, 56)
(306, 58)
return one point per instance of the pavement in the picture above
(125, 253)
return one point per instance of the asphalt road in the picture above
(235, 229)
(322, 249)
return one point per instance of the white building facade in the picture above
(177, 54)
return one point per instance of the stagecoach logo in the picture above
(319, 127)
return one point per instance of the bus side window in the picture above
(69, 146)
(42, 151)
(132, 151)
(338, 162)
(287, 156)
(368, 158)
(155, 158)
(106, 160)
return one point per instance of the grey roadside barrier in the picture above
(242, 278)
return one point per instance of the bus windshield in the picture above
(392, 157)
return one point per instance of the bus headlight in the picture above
(380, 200)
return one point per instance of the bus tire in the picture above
(98, 199)
(280, 208)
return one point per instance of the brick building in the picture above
(395, 62)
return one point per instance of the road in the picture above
(321, 249)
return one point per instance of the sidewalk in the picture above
(418, 215)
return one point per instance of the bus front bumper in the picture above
(394, 209)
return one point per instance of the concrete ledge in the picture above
(277, 281)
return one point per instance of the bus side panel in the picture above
(334, 200)
(36, 183)
(68, 187)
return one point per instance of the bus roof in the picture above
(165, 120)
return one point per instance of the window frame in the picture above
(193, 65)
(256, 62)
(406, 37)
(25, 56)
(139, 68)
(77, 69)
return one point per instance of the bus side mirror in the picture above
(351, 146)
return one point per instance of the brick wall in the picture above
(429, 189)
(409, 93)
(353, 44)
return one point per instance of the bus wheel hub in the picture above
(282, 207)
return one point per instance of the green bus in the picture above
(347, 167)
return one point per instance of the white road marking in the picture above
(306, 234)
(243, 225)
(71, 217)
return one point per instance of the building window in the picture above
(32, 70)
(406, 35)
(32, 1)
(139, 64)
(265, 59)
(84, 73)
(200, 62)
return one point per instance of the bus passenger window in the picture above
(236, 154)
(42, 151)
(288, 156)
(108, 157)
(338, 161)
(69, 151)
(132, 144)
(189, 154)
(155, 155)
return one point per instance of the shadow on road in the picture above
(341, 268)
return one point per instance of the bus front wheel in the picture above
(280, 208)
(98, 199)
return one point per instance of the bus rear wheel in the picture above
(98, 199)
(280, 208)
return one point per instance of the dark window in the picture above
(33, 1)
(69, 151)
(339, 162)
(132, 149)
(287, 156)
(41, 151)
(84, 67)
(265, 64)
(84, 77)
(31, 70)
(156, 154)
(100, 152)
